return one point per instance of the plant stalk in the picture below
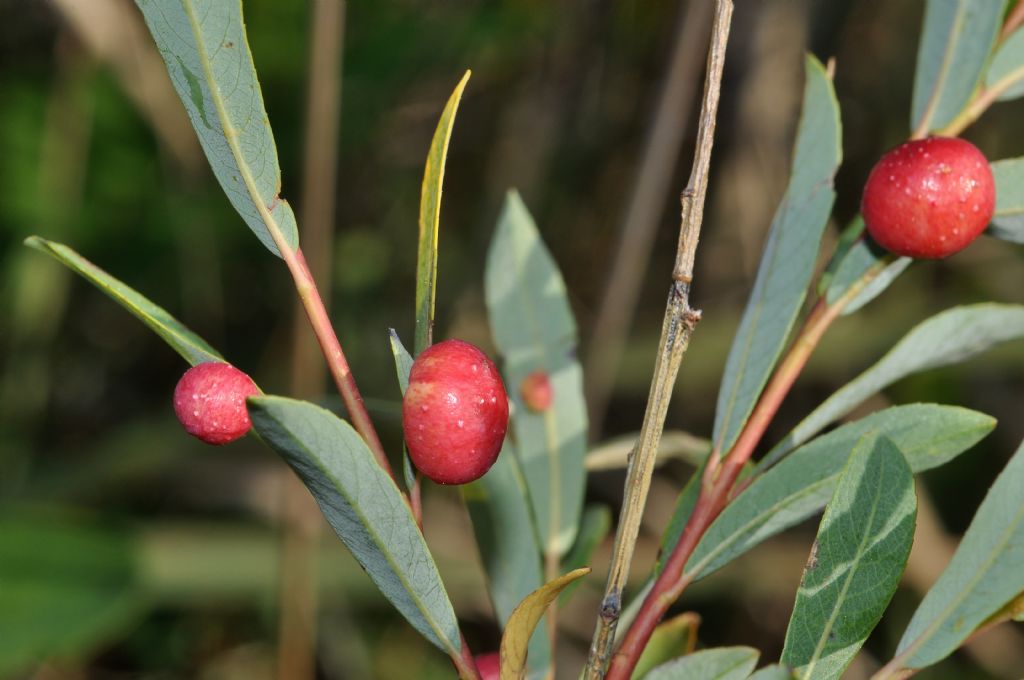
(299, 572)
(336, 361)
(677, 326)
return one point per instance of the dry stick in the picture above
(677, 326)
(646, 206)
(719, 479)
(296, 638)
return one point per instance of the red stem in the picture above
(1013, 21)
(715, 494)
(465, 664)
(336, 360)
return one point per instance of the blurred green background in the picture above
(127, 550)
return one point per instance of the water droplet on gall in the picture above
(460, 424)
(195, 413)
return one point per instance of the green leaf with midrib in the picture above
(204, 47)
(364, 507)
(193, 348)
(983, 576)
(855, 565)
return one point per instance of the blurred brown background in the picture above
(587, 107)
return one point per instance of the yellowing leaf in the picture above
(525, 618)
(430, 219)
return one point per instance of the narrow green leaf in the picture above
(855, 565)
(430, 219)
(204, 46)
(671, 639)
(403, 366)
(721, 663)
(499, 507)
(534, 329)
(983, 576)
(1008, 221)
(403, 360)
(194, 349)
(67, 588)
(1007, 68)
(788, 261)
(799, 486)
(524, 620)
(365, 508)
(947, 338)
(956, 41)
(774, 672)
(856, 261)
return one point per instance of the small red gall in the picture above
(455, 412)
(488, 665)
(210, 402)
(535, 389)
(929, 198)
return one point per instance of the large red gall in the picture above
(454, 413)
(929, 198)
(210, 402)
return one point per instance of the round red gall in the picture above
(488, 665)
(210, 402)
(454, 413)
(535, 390)
(929, 198)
